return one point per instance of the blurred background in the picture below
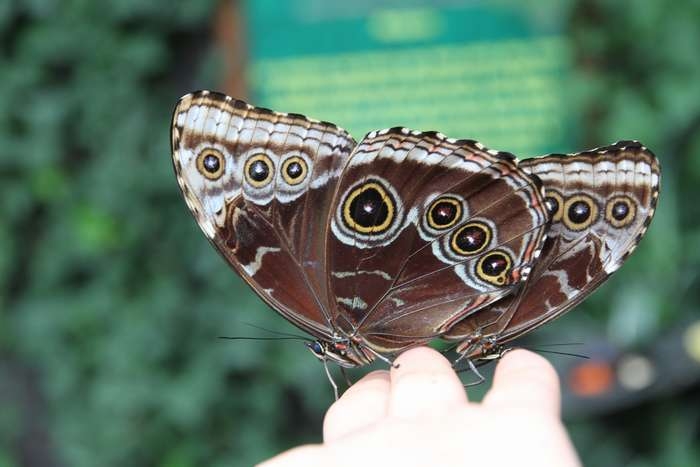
(111, 300)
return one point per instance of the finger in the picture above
(302, 456)
(525, 380)
(424, 383)
(363, 404)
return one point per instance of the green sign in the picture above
(491, 71)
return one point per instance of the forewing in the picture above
(259, 183)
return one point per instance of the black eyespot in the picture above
(471, 238)
(258, 171)
(368, 209)
(210, 163)
(581, 211)
(294, 170)
(493, 267)
(444, 212)
(494, 264)
(620, 211)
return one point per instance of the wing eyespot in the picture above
(259, 170)
(211, 163)
(620, 211)
(444, 212)
(294, 170)
(369, 208)
(471, 238)
(579, 212)
(555, 205)
(494, 267)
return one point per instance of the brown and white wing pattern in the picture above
(378, 246)
(425, 230)
(601, 203)
(259, 185)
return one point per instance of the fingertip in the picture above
(363, 404)
(521, 360)
(420, 357)
(301, 456)
(377, 380)
(525, 379)
(423, 382)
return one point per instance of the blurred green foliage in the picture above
(111, 299)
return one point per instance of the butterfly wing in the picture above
(259, 184)
(425, 229)
(602, 202)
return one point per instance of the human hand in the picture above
(418, 414)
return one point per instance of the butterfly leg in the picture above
(381, 357)
(330, 379)
(459, 359)
(480, 377)
(462, 355)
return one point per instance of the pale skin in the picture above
(418, 414)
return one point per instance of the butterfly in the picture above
(601, 203)
(371, 247)
(375, 246)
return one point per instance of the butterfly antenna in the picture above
(560, 344)
(276, 338)
(554, 352)
(278, 333)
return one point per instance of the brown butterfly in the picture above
(377, 246)
(370, 247)
(601, 203)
